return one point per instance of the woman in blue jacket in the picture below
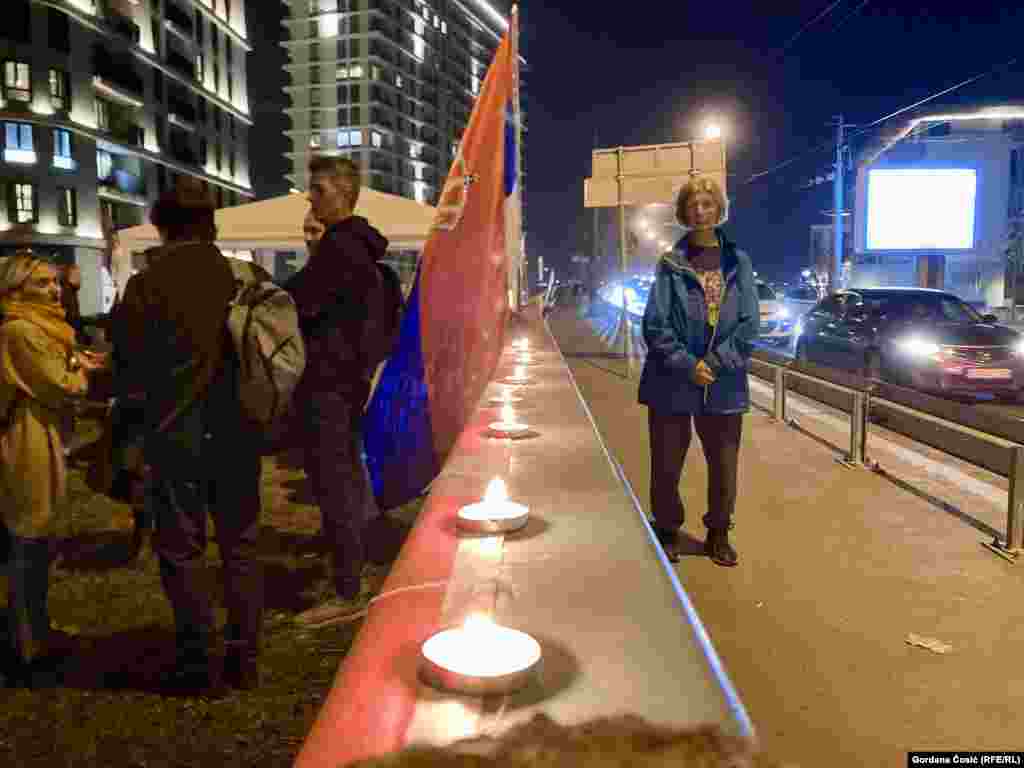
(700, 323)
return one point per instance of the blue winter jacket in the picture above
(674, 329)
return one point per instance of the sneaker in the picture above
(718, 548)
(669, 541)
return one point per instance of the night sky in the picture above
(648, 72)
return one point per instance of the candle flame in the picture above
(506, 414)
(496, 491)
(478, 622)
(519, 372)
(524, 343)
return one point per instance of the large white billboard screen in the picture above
(921, 209)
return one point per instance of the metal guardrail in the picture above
(983, 439)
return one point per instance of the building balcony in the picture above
(181, 64)
(124, 187)
(121, 25)
(179, 22)
(182, 115)
(126, 88)
(126, 133)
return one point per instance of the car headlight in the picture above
(919, 347)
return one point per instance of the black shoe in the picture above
(669, 541)
(241, 669)
(193, 676)
(38, 674)
(718, 548)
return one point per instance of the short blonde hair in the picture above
(344, 172)
(701, 184)
(16, 270)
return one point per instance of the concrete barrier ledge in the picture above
(585, 577)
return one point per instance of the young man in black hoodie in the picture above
(332, 293)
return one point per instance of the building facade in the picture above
(388, 83)
(992, 149)
(104, 103)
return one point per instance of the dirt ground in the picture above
(837, 567)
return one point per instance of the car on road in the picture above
(915, 337)
(776, 317)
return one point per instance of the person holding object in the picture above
(41, 376)
(700, 324)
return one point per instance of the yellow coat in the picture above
(36, 379)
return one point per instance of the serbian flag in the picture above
(454, 322)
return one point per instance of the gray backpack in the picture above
(264, 327)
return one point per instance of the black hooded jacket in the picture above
(332, 293)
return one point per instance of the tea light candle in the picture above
(480, 657)
(522, 344)
(495, 514)
(519, 374)
(508, 425)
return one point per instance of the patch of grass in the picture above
(109, 712)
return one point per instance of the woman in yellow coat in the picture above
(40, 376)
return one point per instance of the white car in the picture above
(776, 318)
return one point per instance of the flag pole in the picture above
(516, 249)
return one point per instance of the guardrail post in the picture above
(857, 429)
(1014, 507)
(779, 392)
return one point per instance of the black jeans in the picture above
(28, 588)
(333, 446)
(229, 492)
(670, 440)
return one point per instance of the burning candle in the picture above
(508, 424)
(495, 513)
(479, 657)
(522, 345)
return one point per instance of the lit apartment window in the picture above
(67, 207)
(18, 146)
(347, 138)
(426, 13)
(355, 71)
(200, 69)
(17, 81)
(59, 90)
(375, 139)
(102, 115)
(437, 21)
(444, 27)
(105, 165)
(415, 150)
(375, 72)
(23, 208)
(62, 150)
(399, 81)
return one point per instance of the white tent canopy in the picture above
(277, 223)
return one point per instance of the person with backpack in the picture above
(349, 318)
(172, 341)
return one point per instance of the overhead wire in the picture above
(789, 43)
(831, 143)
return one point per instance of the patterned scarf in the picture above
(49, 317)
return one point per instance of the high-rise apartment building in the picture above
(389, 83)
(103, 104)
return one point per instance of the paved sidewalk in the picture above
(837, 568)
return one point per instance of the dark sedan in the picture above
(916, 337)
